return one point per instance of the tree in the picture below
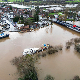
(26, 13)
(21, 18)
(27, 22)
(3, 5)
(37, 10)
(48, 77)
(47, 15)
(74, 16)
(62, 17)
(36, 17)
(16, 19)
(10, 7)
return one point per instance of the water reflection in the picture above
(49, 29)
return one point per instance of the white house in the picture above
(3, 22)
(0, 10)
(1, 28)
(11, 15)
(19, 25)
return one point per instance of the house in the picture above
(11, 15)
(19, 25)
(0, 9)
(3, 22)
(24, 28)
(1, 28)
(55, 17)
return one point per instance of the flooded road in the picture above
(63, 65)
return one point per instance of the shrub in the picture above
(77, 47)
(48, 77)
(51, 51)
(16, 19)
(76, 78)
(77, 40)
(25, 66)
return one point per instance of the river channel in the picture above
(62, 65)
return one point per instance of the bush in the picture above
(25, 66)
(16, 19)
(77, 40)
(76, 78)
(48, 77)
(77, 47)
(51, 51)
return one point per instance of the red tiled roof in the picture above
(26, 27)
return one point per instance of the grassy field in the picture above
(73, 1)
(15, 0)
(33, 1)
(11, 0)
(51, 13)
(55, 13)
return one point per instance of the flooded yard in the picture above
(62, 65)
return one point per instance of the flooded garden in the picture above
(62, 62)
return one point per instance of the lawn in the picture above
(30, 18)
(69, 19)
(11, 0)
(55, 13)
(51, 13)
(73, 1)
(33, 1)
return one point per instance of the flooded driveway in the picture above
(63, 65)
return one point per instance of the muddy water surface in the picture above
(63, 65)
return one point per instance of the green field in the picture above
(73, 1)
(55, 13)
(11, 0)
(51, 13)
(33, 1)
(15, 0)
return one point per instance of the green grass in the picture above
(44, 9)
(40, 1)
(1, 1)
(73, 1)
(12, 0)
(60, 12)
(51, 13)
(33, 1)
(69, 19)
(55, 13)
(30, 18)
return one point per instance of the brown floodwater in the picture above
(62, 65)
